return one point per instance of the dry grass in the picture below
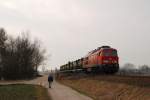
(110, 88)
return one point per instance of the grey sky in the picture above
(71, 28)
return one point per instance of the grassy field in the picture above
(23, 92)
(110, 88)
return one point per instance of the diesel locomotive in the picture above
(104, 59)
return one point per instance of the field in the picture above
(106, 87)
(23, 92)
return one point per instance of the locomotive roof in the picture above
(99, 48)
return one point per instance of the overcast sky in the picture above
(69, 29)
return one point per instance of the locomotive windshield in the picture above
(108, 52)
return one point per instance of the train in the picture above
(104, 59)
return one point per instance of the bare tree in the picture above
(38, 55)
(144, 69)
(3, 39)
(128, 69)
(128, 66)
(22, 58)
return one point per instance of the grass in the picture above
(23, 92)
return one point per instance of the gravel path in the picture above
(61, 92)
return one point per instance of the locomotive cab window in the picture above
(108, 52)
(114, 53)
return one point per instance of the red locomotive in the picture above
(103, 59)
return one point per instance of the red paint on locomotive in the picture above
(103, 58)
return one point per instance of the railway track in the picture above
(129, 76)
(138, 80)
(80, 73)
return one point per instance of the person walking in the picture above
(50, 80)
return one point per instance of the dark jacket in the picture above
(50, 78)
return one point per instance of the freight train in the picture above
(104, 59)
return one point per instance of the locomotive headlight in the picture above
(105, 61)
(115, 61)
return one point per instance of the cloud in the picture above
(71, 28)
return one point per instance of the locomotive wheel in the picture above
(87, 70)
(110, 70)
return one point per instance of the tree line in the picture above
(19, 57)
(131, 69)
